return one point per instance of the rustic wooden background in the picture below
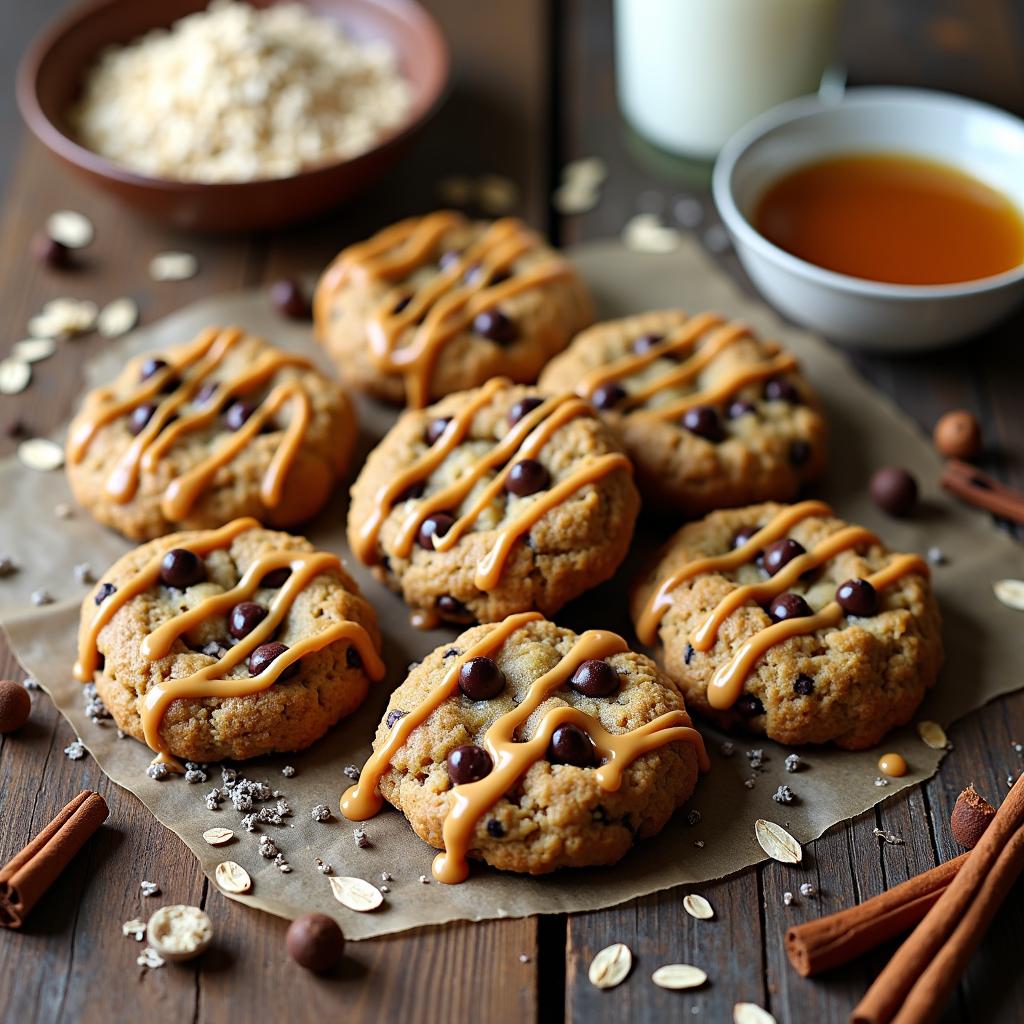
(534, 87)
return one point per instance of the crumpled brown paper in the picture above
(984, 640)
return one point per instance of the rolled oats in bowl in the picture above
(234, 93)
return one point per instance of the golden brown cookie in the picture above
(529, 747)
(223, 426)
(494, 501)
(711, 415)
(784, 620)
(228, 643)
(441, 303)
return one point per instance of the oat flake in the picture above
(355, 893)
(679, 976)
(232, 877)
(40, 453)
(33, 350)
(117, 317)
(751, 1013)
(218, 836)
(1010, 593)
(173, 266)
(70, 228)
(932, 735)
(777, 842)
(610, 966)
(14, 376)
(696, 906)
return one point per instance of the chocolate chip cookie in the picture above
(494, 501)
(223, 426)
(228, 643)
(711, 415)
(784, 620)
(440, 303)
(532, 748)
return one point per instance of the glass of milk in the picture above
(691, 72)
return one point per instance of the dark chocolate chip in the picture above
(452, 609)
(522, 408)
(435, 428)
(495, 326)
(353, 659)
(244, 618)
(106, 589)
(448, 259)
(894, 491)
(151, 366)
(742, 535)
(481, 679)
(749, 706)
(452, 652)
(469, 763)
(182, 568)
(236, 414)
(495, 829)
(141, 415)
(289, 299)
(739, 407)
(265, 654)
(595, 678)
(206, 392)
(704, 421)
(645, 342)
(607, 396)
(276, 578)
(778, 389)
(789, 606)
(780, 553)
(857, 597)
(688, 654)
(527, 476)
(413, 491)
(803, 685)
(436, 525)
(394, 716)
(571, 745)
(799, 453)
(401, 304)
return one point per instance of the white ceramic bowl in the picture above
(979, 139)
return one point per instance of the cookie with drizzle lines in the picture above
(228, 643)
(494, 501)
(223, 426)
(786, 621)
(711, 414)
(532, 748)
(440, 303)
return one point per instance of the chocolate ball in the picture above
(894, 491)
(237, 413)
(265, 654)
(957, 435)
(276, 578)
(780, 390)
(436, 525)
(15, 705)
(704, 421)
(527, 476)
(780, 553)
(571, 745)
(595, 678)
(645, 342)
(495, 326)
(244, 618)
(607, 396)
(182, 568)
(857, 597)
(522, 408)
(468, 763)
(315, 941)
(435, 428)
(289, 299)
(789, 606)
(742, 535)
(481, 679)
(140, 417)
(50, 252)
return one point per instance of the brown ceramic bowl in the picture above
(51, 73)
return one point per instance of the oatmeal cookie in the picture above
(785, 621)
(494, 501)
(711, 415)
(441, 303)
(228, 643)
(221, 427)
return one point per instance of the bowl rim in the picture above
(804, 107)
(424, 106)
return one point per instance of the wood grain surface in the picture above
(534, 87)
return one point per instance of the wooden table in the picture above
(534, 87)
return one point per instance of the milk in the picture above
(690, 72)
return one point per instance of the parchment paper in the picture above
(984, 641)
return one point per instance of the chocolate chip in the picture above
(595, 678)
(571, 745)
(799, 453)
(182, 568)
(527, 476)
(778, 389)
(857, 597)
(276, 578)
(106, 589)
(703, 421)
(452, 652)
(646, 342)
(265, 654)
(607, 396)
(688, 654)
(435, 428)
(289, 299)
(151, 366)
(803, 685)
(522, 408)
(749, 706)
(452, 609)
(50, 252)
(495, 326)
(244, 618)
(780, 553)
(739, 407)
(436, 525)
(742, 535)
(469, 763)
(353, 659)
(237, 413)
(141, 415)
(394, 716)
(413, 491)
(894, 491)
(206, 392)
(401, 304)
(481, 679)
(448, 259)
(789, 606)
(495, 829)
(315, 941)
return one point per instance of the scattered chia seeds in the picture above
(158, 771)
(149, 888)
(75, 751)
(288, 771)
(350, 771)
(783, 795)
(793, 763)
(321, 813)
(361, 838)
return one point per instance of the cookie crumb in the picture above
(787, 899)
(321, 813)
(195, 775)
(322, 866)
(806, 889)
(267, 847)
(749, 783)
(424, 880)
(361, 838)
(350, 771)
(783, 795)
(213, 799)
(158, 771)
(385, 876)
(75, 751)
(149, 888)
(699, 843)
(879, 781)
(31, 684)
(62, 510)
(150, 958)
(793, 763)
(727, 749)
(288, 771)
(135, 928)
(84, 573)
(523, 958)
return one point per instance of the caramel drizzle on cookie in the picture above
(511, 758)
(189, 368)
(685, 339)
(444, 307)
(727, 682)
(524, 440)
(210, 680)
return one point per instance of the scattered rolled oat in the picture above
(496, 194)
(611, 966)
(149, 957)
(932, 735)
(84, 573)
(33, 350)
(41, 597)
(135, 928)
(696, 906)
(69, 227)
(355, 893)
(15, 376)
(218, 836)
(63, 318)
(158, 771)
(793, 763)
(321, 812)
(777, 842)
(783, 795)
(645, 233)
(888, 837)
(1010, 593)
(41, 453)
(75, 751)
(679, 976)
(232, 877)
(179, 932)
(751, 1013)
(361, 838)
(173, 266)
(117, 317)
(806, 889)
(288, 771)
(149, 888)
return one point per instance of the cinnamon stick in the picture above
(954, 908)
(983, 491)
(831, 941)
(25, 878)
